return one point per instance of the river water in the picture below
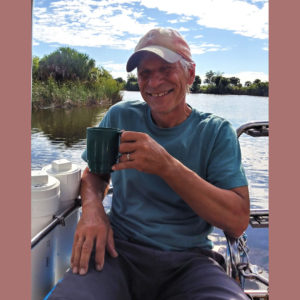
(61, 133)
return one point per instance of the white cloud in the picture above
(89, 23)
(205, 47)
(116, 70)
(266, 47)
(182, 29)
(257, 1)
(181, 19)
(106, 23)
(241, 17)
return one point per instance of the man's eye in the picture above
(144, 74)
(166, 70)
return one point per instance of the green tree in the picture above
(234, 81)
(121, 81)
(261, 88)
(221, 85)
(104, 73)
(132, 84)
(257, 88)
(216, 79)
(94, 74)
(66, 64)
(35, 67)
(247, 83)
(195, 88)
(209, 77)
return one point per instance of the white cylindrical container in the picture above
(69, 176)
(45, 193)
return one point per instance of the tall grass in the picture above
(51, 93)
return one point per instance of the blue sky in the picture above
(228, 36)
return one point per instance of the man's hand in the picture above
(139, 151)
(93, 228)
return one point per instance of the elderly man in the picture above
(179, 175)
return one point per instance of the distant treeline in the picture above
(214, 83)
(69, 78)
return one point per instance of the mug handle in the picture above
(120, 133)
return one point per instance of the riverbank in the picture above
(216, 85)
(255, 89)
(260, 89)
(53, 94)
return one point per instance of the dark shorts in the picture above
(143, 273)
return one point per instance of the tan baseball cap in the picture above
(164, 42)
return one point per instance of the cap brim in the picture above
(164, 53)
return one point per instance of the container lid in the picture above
(41, 181)
(39, 178)
(61, 167)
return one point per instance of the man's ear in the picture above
(191, 73)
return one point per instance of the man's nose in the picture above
(155, 79)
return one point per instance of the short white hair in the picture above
(187, 66)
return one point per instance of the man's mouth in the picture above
(161, 94)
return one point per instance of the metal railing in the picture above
(255, 129)
(237, 260)
(58, 219)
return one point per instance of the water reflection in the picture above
(255, 158)
(66, 125)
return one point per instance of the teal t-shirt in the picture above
(144, 208)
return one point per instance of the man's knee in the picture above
(108, 284)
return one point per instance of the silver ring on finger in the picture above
(128, 156)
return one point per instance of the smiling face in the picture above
(163, 85)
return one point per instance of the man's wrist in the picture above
(170, 168)
(93, 208)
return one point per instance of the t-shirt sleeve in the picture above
(105, 122)
(225, 168)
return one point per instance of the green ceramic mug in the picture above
(102, 148)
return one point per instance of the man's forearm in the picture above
(93, 189)
(93, 228)
(226, 209)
